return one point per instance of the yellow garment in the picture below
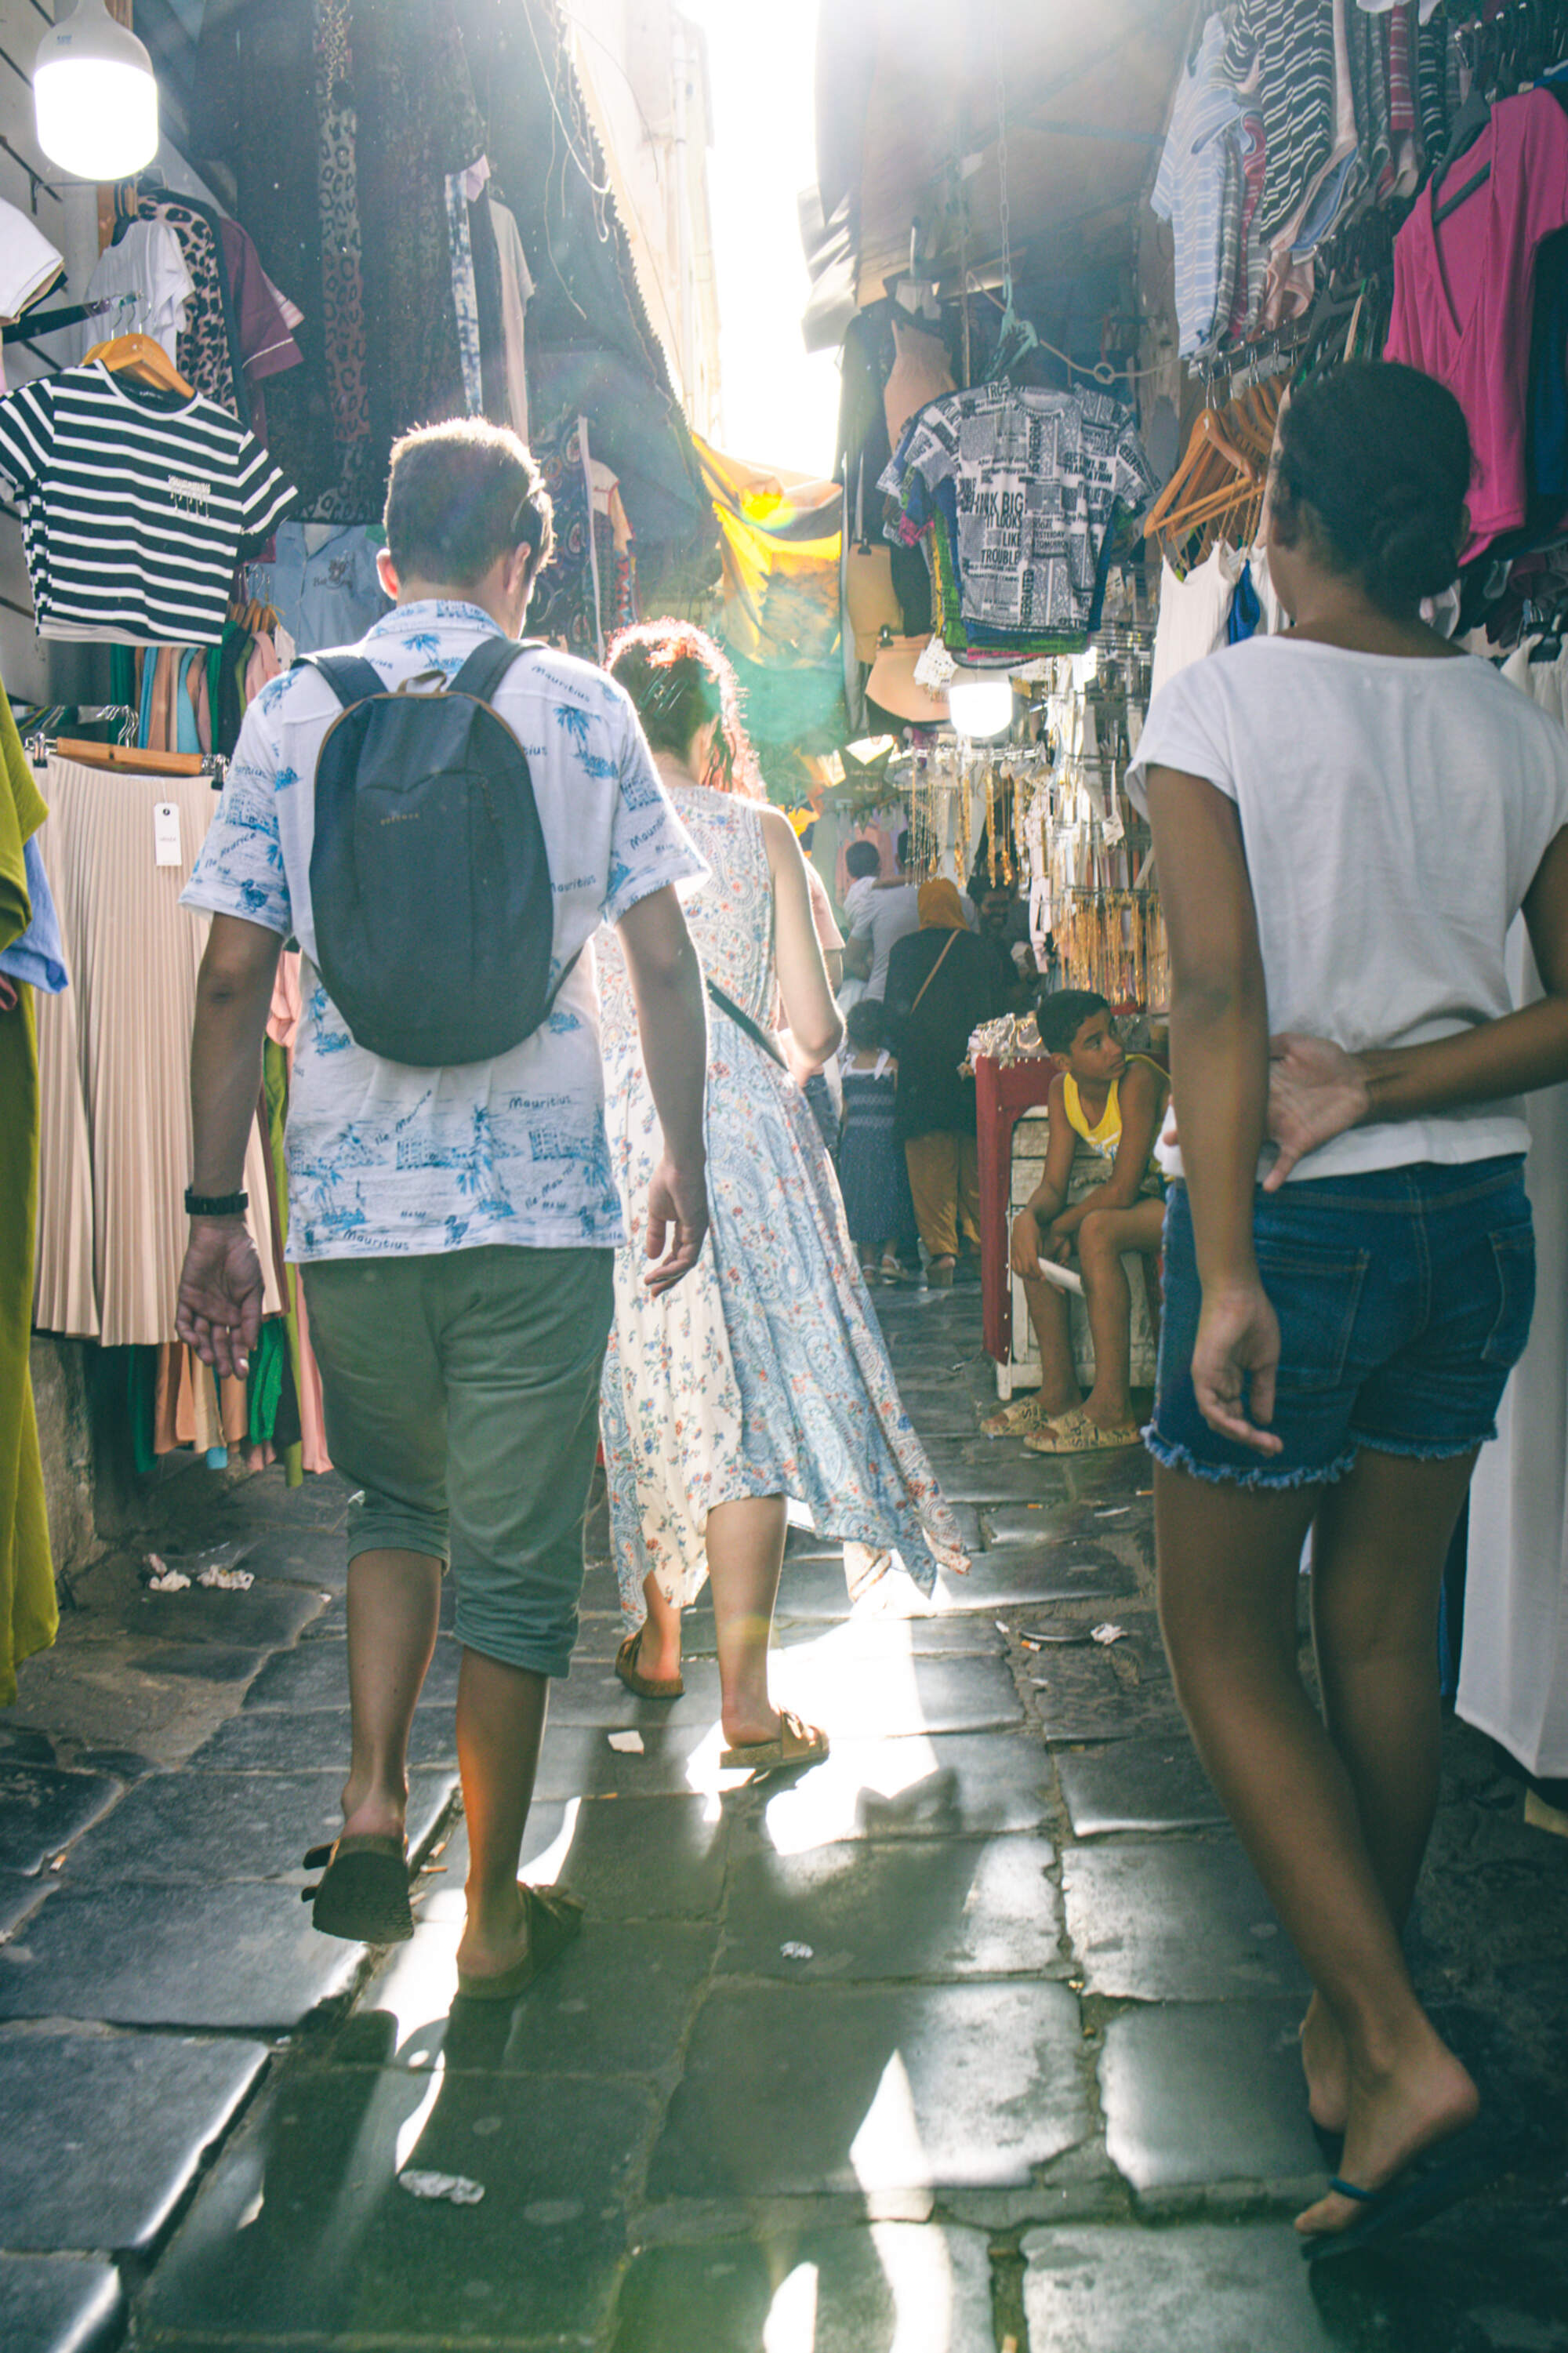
(1105, 1135)
(28, 1614)
(940, 907)
(780, 545)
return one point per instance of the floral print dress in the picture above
(764, 1373)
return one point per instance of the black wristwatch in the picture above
(215, 1205)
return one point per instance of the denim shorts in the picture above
(1404, 1297)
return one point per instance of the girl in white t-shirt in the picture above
(1347, 819)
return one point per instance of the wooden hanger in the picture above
(131, 758)
(143, 360)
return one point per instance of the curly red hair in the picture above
(679, 681)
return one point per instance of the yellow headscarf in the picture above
(941, 908)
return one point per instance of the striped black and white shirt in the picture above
(135, 506)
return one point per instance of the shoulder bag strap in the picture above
(934, 970)
(754, 1032)
(351, 677)
(482, 673)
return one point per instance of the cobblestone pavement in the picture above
(980, 2034)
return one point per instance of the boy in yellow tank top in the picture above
(1105, 1112)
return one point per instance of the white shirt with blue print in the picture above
(389, 1161)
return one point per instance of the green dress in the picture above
(29, 1615)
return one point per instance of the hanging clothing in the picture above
(764, 1373)
(322, 584)
(1464, 288)
(516, 291)
(134, 954)
(264, 321)
(919, 373)
(149, 265)
(28, 1612)
(1283, 51)
(29, 264)
(206, 350)
(136, 506)
(1035, 481)
(1197, 185)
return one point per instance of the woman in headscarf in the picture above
(766, 1381)
(940, 986)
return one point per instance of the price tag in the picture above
(167, 833)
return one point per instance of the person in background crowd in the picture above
(460, 1326)
(889, 914)
(873, 1174)
(1348, 818)
(1099, 1197)
(1001, 921)
(767, 1380)
(940, 986)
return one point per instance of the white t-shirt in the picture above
(1393, 814)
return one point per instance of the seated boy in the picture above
(1100, 1195)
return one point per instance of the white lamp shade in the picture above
(980, 706)
(96, 95)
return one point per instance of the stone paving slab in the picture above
(1061, 1523)
(54, 2303)
(958, 1784)
(19, 1896)
(316, 1676)
(1223, 2288)
(854, 1696)
(915, 2287)
(796, 2091)
(1208, 2094)
(617, 2002)
(981, 1470)
(914, 1908)
(267, 1617)
(42, 1809)
(1018, 1576)
(1081, 1695)
(135, 2111)
(240, 1957)
(1138, 1785)
(213, 1827)
(303, 2226)
(277, 1740)
(1174, 1919)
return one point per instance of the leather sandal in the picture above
(1075, 1433)
(798, 1743)
(1016, 1420)
(363, 1892)
(645, 1686)
(554, 1921)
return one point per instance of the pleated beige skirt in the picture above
(134, 954)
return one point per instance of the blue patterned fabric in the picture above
(764, 1372)
(1197, 183)
(384, 1159)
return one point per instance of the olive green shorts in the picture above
(462, 1396)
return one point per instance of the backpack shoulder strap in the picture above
(482, 673)
(351, 679)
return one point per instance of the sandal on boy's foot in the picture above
(1017, 1420)
(940, 1274)
(363, 1892)
(645, 1686)
(554, 1921)
(1075, 1433)
(1411, 2199)
(798, 1743)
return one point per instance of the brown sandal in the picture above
(1075, 1433)
(645, 1686)
(798, 1743)
(554, 1921)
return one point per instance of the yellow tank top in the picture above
(1105, 1135)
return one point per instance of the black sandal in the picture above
(554, 1921)
(363, 1892)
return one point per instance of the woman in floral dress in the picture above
(763, 1379)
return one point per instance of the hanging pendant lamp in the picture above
(96, 95)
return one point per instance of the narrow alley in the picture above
(979, 2035)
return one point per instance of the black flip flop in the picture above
(362, 1894)
(1415, 2197)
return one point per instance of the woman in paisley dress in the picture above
(762, 1380)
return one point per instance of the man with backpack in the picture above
(442, 819)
